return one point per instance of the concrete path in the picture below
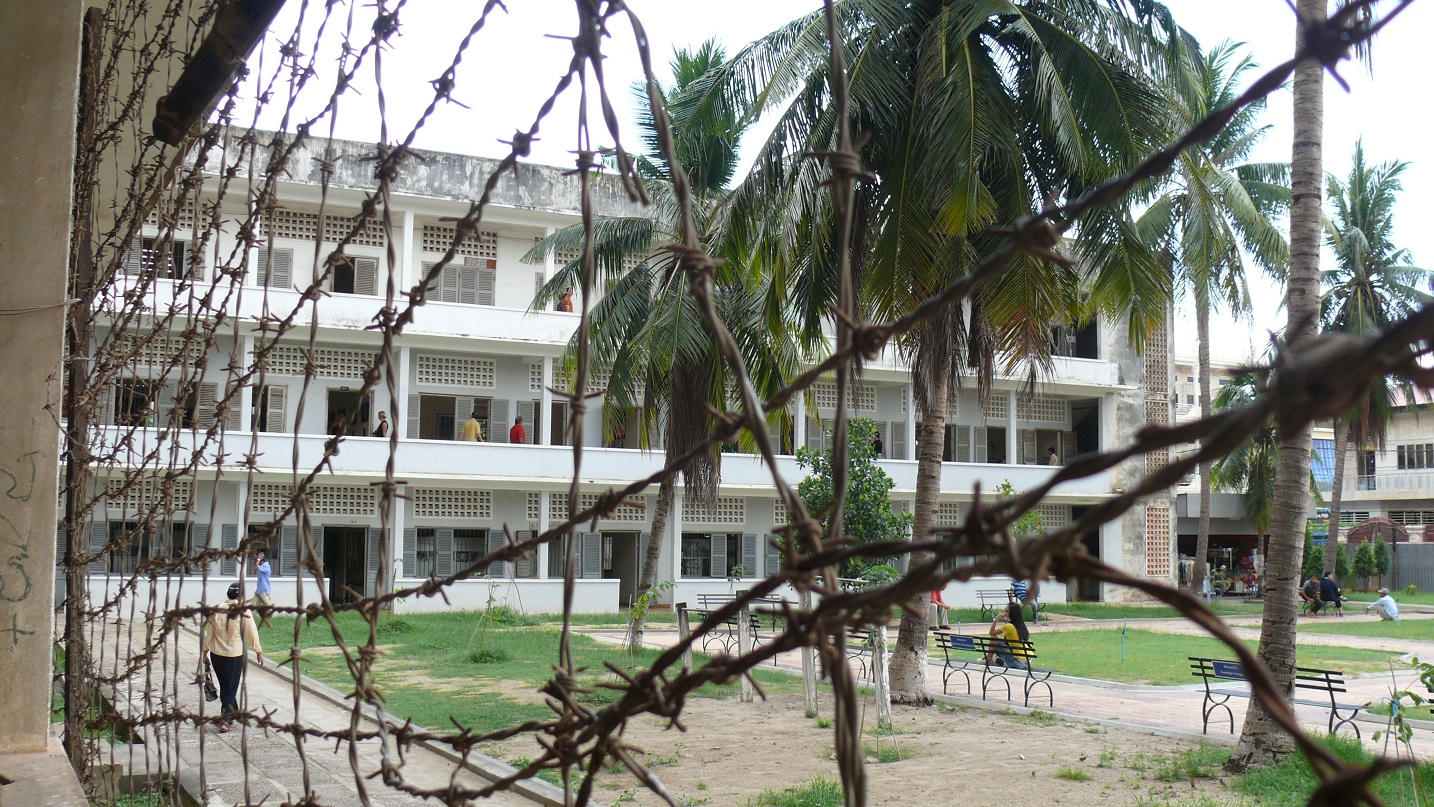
(1164, 709)
(250, 767)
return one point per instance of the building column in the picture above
(246, 399)
(406, 247)
(799, 420)
(550, 261)
(543, 499)
(398, 414)
(675, 520)
(546, 437)
(1013, 438)
(395, 537)
(39, 62)
(911, 423)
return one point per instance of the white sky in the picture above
(512, 66)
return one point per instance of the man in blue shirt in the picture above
(261, 586)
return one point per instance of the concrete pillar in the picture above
(675, 519)
(395, 539)
(398, 413)
(550, 262)
(246, 400)
(799, 420)
(543, 499)
(546, 436)
(406, 247)
(39, 86)
(1013, 437)
(911, 423)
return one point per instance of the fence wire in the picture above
(123, 624)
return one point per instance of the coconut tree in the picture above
(1371, 285)
(972, 113)
(1215, 208)
(647, 331)
(1250, 468)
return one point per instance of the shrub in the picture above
(1412, 590)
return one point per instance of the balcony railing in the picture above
(1417, 481)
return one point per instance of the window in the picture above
(468, 547)
(1366, 471)
(1417, 456)
(696, 555)
(426, 554)
(168, 257)
(268, 408)
(441, 417)
(272, 543)
(135, 545)
(134, 399)
(701, 549)
(1189, 400)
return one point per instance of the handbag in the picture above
(211, 694)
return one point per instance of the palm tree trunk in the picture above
(1202, 540)
(908, 661)
(648, 577)
(1341, 447)
(1261, 741)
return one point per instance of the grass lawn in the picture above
(437, 665)
(1162, 658)
(1363, 625)
(1290, 783)
(1422, 598)
(1101, 610)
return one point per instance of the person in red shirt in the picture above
(517, 434)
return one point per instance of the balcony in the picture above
(1391, 485)
(519, 466)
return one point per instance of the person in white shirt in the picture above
(1386, 606)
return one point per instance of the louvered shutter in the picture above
(528, 410)
(288, 549)
(462, 408)
(448, 284)
(537, 284)
(772, 555)
(749, 555)
(410, 551)
(468, 285)
(62, 545)
(978, 443)
(445, 551)
(204, 408)
(487, 280)
(719, 554)
(497, 540)
(592, 555)
(276, 270)
(434, 285)
(1029, 449)
(365, 276)
(774, 433)
(229, 564)
(164, 408)
(277, 419)
(99, 537)
(963, 444)
(897, 443)
(104, 412)
(198, 539)
(814, 434)
(316, 532)
(526, 567)
(375, 541)
(642, 541)
(498, 420)
(134, 258)
(411, 419)
(1068, 446)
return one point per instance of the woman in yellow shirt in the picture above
(224, 636)
(1007, 628)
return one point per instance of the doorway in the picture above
(1085, 424)
(344, 557)
(354, 410)
(1080, 588)
(559, 421)
(622, 561)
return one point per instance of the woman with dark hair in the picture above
(223, 649)
(1007, 628)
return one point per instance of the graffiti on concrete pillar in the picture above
(17, 484)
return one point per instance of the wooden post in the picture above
(809, 664)
(882, 675)
(744, 646)
(684, 632)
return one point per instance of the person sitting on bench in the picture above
(1385, 606)
(1329, 592)
(1310, 595)
(1007, 627)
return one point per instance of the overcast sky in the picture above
(511, 67)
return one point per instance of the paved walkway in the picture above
(247, 766)
(1167, 709)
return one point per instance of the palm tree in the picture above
(1216, 204)
(974, 113)
(1250, 468)
(647, 330)
(1262, 741)
(1371, 286)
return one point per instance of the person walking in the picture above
(225, 634)
(472, 429)
(382, 429)
(1386, 607)
(517, 434)
(261, 586)
(1052, 458)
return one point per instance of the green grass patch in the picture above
(1035, 717)
(1411, 629)
(472, 668)
(1402, 597)
(1162, 658)
(1290, 783)
(1202, 761)
(819, 792)
(883, 753)
(1103, 610)
(1073, 774)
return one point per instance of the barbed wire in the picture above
(145, 319)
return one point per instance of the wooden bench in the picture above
(1329, 682)
(724, 634)
(965, 654)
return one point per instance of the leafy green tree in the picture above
(1314, 559)
(1364, 567)
(973, 113)
(1342, 563)
(867, 515)
(1216, 207)
(1250, 468)
(1382, 559)
(1371, 285)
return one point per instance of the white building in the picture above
(477, 347)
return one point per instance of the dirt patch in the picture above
(733, 751)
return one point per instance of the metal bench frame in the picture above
(1330, 682)
(954, 644)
